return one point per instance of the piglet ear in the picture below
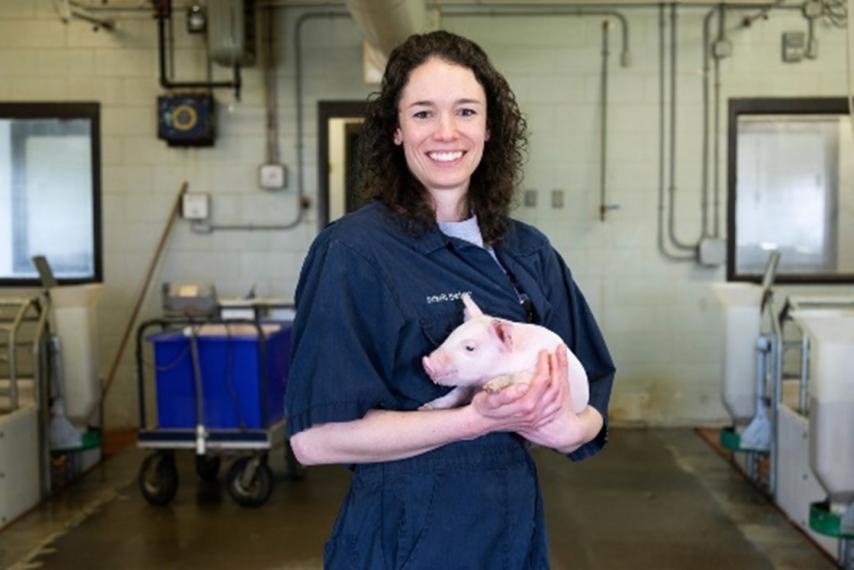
(472, 310)
(503, 330)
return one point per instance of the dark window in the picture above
(50, 191)
(791, 189)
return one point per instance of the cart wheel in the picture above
(293, 468)
(158, 478)
(207, 467)
(255, 492)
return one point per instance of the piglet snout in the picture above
(427, 367)
(437, 366)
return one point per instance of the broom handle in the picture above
(152, 265)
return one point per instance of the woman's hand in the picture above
(541, 412)
(568, 431)
(522, 407)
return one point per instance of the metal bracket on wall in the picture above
(70, 11)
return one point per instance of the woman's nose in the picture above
(446, 129)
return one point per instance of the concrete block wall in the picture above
(659, 318)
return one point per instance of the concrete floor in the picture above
(656, 499)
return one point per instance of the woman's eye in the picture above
(468, 112)
(470, 348)
(421, 114)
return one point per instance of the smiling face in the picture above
(442, 126)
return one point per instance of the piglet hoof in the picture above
(498, 384)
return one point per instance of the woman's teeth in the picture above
(445, 156)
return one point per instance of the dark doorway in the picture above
(338, 128)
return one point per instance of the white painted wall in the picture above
(660, 319)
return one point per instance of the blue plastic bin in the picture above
(235, 394)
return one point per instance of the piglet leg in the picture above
(457, 396)
(501, 382)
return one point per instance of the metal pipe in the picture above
(721, 9)
(164, 12)
(288, 5)
(41, 396)
(776, 389)
(13, 358)
(845, 552)
(140, 374)
(763, 347)
(751, 465)
(717, 130)
(196, 362)
(747, 21)
(271, 91)
(704, 178)
(803, 401)
(662, 24)
(671, 218)
(603, 204)
(500, 10)
(811, 51)
(298, 95)
(108, 25)
(144, 6)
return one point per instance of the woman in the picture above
(380, 288)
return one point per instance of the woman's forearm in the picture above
(384, 435)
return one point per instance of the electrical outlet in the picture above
(195, 206)
(794, 45)
(712, 252)
(722, 48)
(272, 176)
(557, 199)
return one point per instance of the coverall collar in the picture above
(433, 240)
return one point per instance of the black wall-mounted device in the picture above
(186, 120)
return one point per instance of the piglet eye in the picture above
(470, 347)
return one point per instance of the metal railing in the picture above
(15, 314)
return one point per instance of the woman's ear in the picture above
(398, 136)
(486, 137)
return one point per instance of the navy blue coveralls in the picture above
(371, 301)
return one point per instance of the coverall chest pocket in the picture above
(437, 327)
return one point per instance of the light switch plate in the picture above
(530, 198)
(195, 206)
(712, 252)
(272, 176)
(794, 46)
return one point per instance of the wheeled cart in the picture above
(219, 390)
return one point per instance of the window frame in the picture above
(60, 110)
(772, 106)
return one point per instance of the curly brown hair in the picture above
(384, 173)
